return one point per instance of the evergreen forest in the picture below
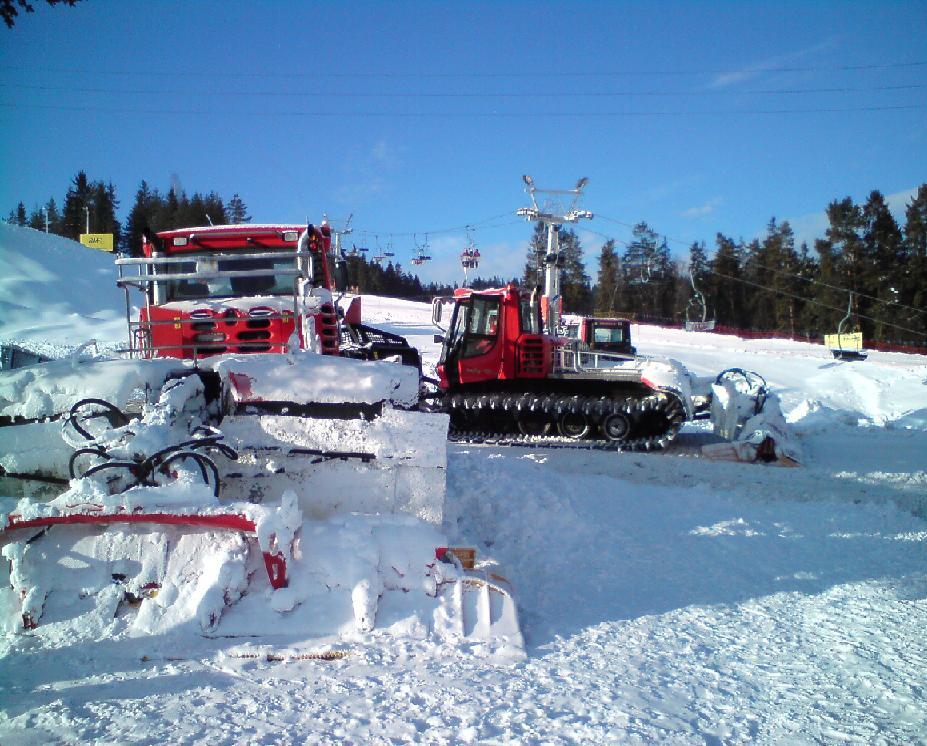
(866, 263)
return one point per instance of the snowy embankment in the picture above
(56, 293)
(663, 598)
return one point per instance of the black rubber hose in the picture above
(204, 462)
(112, 414)
(97, 451)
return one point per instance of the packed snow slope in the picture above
(664, 597)
(54, 291)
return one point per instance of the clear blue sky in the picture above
(415, 117)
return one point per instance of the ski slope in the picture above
(663, 598)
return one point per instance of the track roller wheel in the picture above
(616, 427)
(533, 423)
(574, 426)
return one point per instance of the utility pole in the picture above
(553, 217)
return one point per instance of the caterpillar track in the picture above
(586, 422)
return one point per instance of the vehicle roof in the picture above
(243, 228)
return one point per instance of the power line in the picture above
(464, 114)
(790, 274)
(456, 94)
(455, 229)
(841, 289)
(804, 299)
(475, 75)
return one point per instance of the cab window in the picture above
(530, 322)
(605, 334)
(482, 326)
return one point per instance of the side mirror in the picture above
(439, 339)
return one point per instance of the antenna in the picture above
(553, 213)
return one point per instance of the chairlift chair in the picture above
(846, 345)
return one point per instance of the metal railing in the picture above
(151, 272)
(577, 358)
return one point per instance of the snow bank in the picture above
(55, 290)
(305, 377)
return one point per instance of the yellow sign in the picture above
(101, 241)
(852, 341)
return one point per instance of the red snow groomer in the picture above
(232, 289)
(509, 372)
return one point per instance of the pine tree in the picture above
(537, 250)
(607, 284)
(37, 219)
(574, 282)
(141, 215)
(237, 211)
(18, 216)
(103, 206)
(845, 263)
(647, 276)
(914, 290)
(77, 199)
(54, 217)
(726, 285)
(886, 249)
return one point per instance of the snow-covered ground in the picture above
(663, 597)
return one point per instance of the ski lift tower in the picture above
(347, 230)
(553, 215)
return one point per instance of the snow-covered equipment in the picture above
(846, 345)
(242, 289)
(297, 497)
(17, 356)
(747, 415)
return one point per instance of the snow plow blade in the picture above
(239, 570)
(749, 418)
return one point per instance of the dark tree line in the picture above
(769, 284)
(766, 284)
(92, 205)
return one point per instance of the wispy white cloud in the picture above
(756, 69)
(366, 172)
(702, 210)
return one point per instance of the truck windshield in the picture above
(228, 287)
(603, 334)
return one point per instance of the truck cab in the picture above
(597, 334)
(494, 335)
(232, 289)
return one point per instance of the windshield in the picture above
(228, 287)
(475, 323)
(604, 334)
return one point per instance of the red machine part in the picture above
(274, 561)
(520, 351)
(229, 325)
